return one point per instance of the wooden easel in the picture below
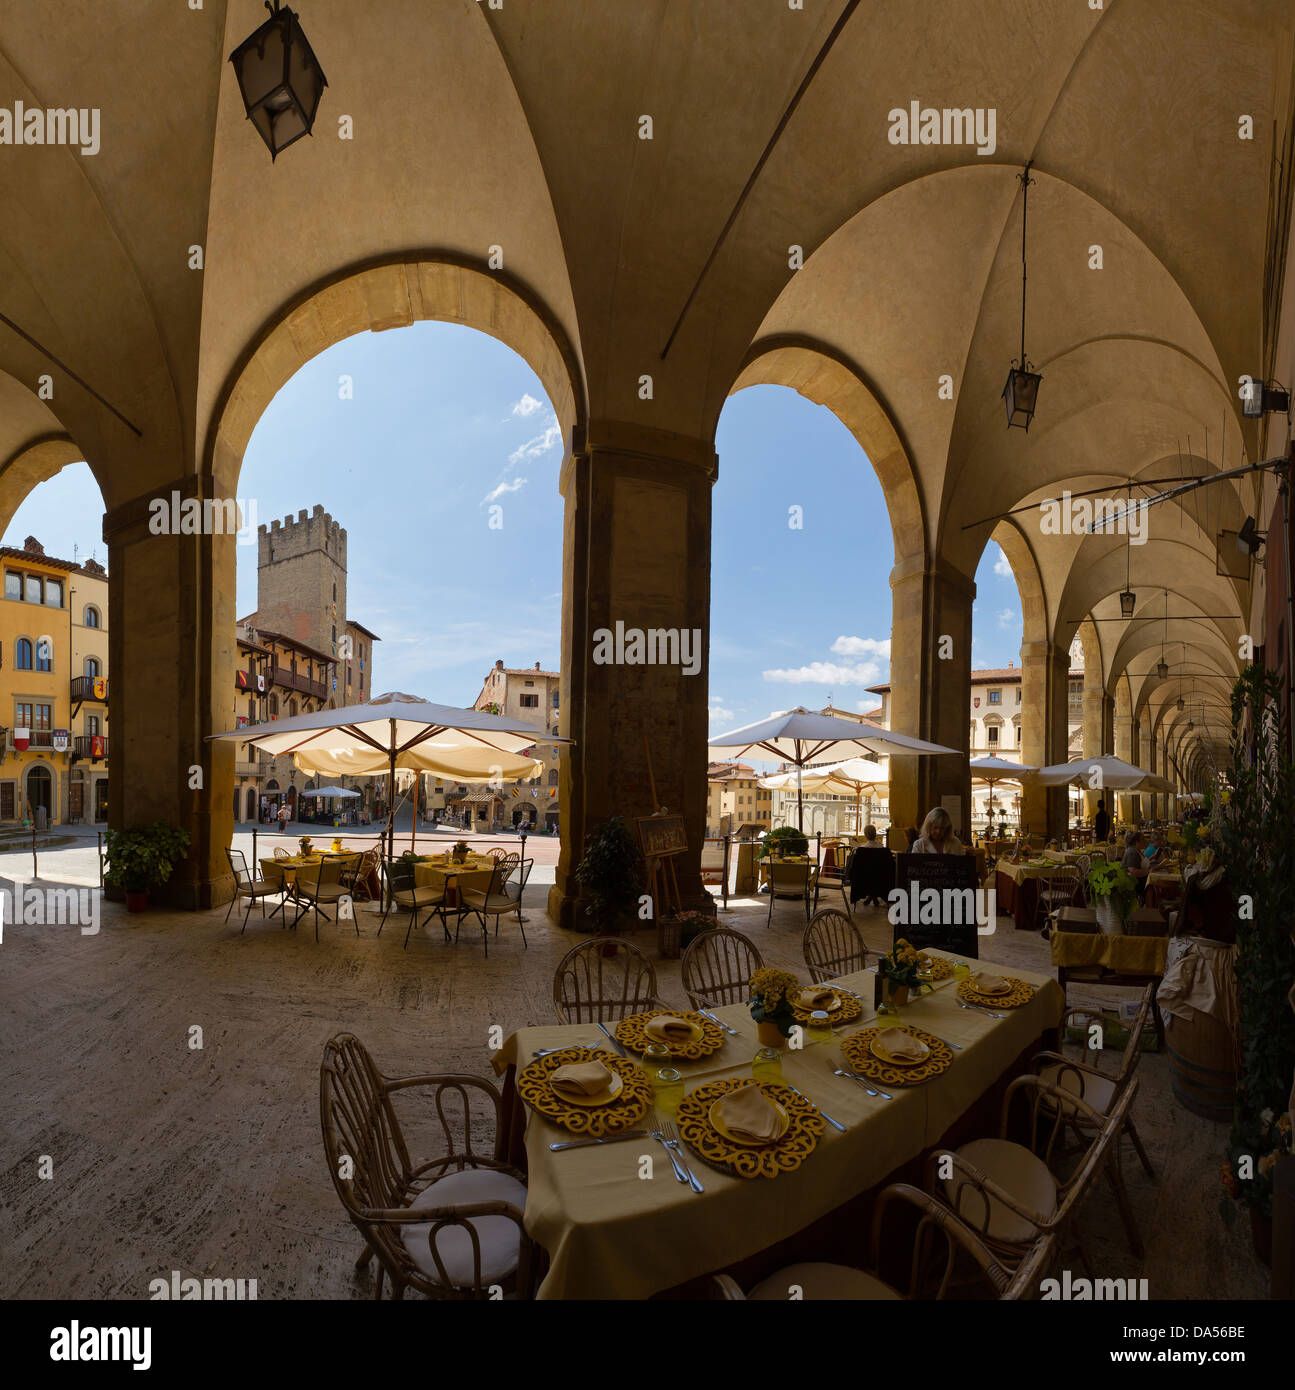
(663, 885)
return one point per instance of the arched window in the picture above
(92, 666)
(553, 777)
(91, 615)
(22, 654)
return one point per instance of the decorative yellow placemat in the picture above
(630, 1031)
(851, 1008)
(622, 1113)
(1020, 993)
(783, 1156)
(857, 1050)
(940, 969)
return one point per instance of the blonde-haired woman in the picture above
(937, 835)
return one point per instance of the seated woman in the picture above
(937, 835)
(1134, 860)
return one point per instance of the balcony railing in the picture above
(85, 746)
(83, 688)
(289, 679)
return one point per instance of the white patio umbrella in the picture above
(991, 769)
(1104, 772)
(852, 775)
(334, 791)
(396, 730)
(800, 737)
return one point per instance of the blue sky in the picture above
(445, 422)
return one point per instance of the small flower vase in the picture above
(893, 996)
(337, 844)
(770, 1035)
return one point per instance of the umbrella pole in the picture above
(391, 797)
(800, 802)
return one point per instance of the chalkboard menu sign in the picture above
(939, 902)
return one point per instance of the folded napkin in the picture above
(815, 997)
(904, 1045)
(748, 1115)
(580, 1079)
(668, 1029)
(988, 984)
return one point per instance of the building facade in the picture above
(736, 799)
(53, 689)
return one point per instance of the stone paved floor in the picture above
(210, 1162)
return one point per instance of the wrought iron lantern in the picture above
(280, 79)
(1021, 393)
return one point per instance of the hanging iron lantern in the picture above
(280, 79)
(1128, 601)
(1021, 393)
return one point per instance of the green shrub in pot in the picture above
(143, 857)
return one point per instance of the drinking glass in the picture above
(766, 1065)
(667, 1087)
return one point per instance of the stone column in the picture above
(1124, 736)
(636, 552)
(930, 688)
(1045, 713)
(1094, 720)
(171, 662)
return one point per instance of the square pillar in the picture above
(1045, 713)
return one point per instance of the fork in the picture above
(863, 1081)
(655, 1131)
(962, 1004)
(836, 1124)
(671, 1141)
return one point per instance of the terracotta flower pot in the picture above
(136, 901)
(770, 1035)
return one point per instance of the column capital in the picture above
(632, 441)
(918, 567)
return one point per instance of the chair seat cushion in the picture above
(488, 902)
(822, 1281)
(1098, 1091)
(1016, 1170)
(499, 1236)
(260, 887)
(417, 897)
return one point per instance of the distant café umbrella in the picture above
(395, 730)
(1102, 772)
(852, 775)
(990, 770)
(799, 737)
(334, 791)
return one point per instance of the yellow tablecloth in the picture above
(475, 873)
(1127, 955)
(1017, 872)
(612, 1234)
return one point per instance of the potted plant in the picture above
(304, 845)
(691, 925)
(899, 969)
(771, 994)
(1251, 833)
(141, 858)
(611, 874)
(460, 852)
(784, 841)
(1258, 1144)
(1114, 895)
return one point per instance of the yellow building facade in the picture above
(53, 689)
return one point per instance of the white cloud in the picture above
(720, 716)
(1007, 617)
(537, 447)
(827, 673)
(862, 646)
(515, 486)
(1002, 566)
(528, 405)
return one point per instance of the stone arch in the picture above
(376, 295)
(32, 465)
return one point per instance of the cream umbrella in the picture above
(800, 736)
(852, 775)
(991, 769)
(396, 730)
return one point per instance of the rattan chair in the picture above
(358, 878)
(1083, 864)
(799, 880)
(401, 890)
(247, 886)
(1007, 1192)
(319, 883)
(281, 853)
(832, 946)
(490, 901)
(498, 852)
(717, 968)
(1057, 890)
(603, 980)
(814, 1281)
(451, 1228)
(832, 870)
(1090, 1083)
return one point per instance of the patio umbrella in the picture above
(396, 730)
(334, 791)
(799, 737)
(990, 770)
(1103, 772)
(852, 775)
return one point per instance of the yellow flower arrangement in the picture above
(901, 965)
(773, 987)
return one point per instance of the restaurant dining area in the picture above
(855, 442)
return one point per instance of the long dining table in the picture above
(611, 1232)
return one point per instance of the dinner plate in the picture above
(717, 1123)
(614, 1088)
(1004, 988)
(879, 1050)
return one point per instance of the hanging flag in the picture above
(60, 740)
(21, 739)
(96, 745)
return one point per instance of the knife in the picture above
(613, 1039)
(608, 1139)
(706, 1013)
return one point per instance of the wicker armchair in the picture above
(1007, 1192)
(717, 968)
(1098, 1088)
(281, 853)
(832, 946)
(1057, 890)
(450, 1228)
(359, 877)
(604, 980)
(831, 1281)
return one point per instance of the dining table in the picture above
(616, 1224)
(451, 875)
(1016, 887)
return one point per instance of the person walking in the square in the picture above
(284, 816)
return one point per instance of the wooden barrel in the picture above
(1202, 1068)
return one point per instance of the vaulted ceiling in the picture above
(518, 127)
